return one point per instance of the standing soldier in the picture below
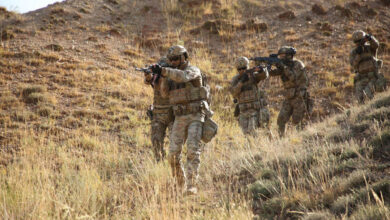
(364, 63)
(160, 114)
(295, 82)
(188, 97)
(251, 102)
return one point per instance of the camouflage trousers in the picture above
(159, 125)
(251, 119)
(186, 128)
(364, 87)
(294, 108)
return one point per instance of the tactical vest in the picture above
(249, 93)
(158, 100)
(185, 93)
(290, 84)
(367, 61)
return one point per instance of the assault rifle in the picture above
(361, 43)
(245, 77)
(148, 70)
(271, 60)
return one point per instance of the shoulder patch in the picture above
(193, 68)
(299, 64)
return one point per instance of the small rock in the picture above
(114, 2)
(92, 38)
(354, 5)
(371, 12)
(318, 9)
(287, 15)
(114, 32)
(345, 12)
(7, 35)
(386, 2)
(256, 24)
(54, 47)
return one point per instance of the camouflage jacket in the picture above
(246, 90)
(363, 58)
(159, 101)
(187, 89)
(294, 77)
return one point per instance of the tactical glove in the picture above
(368, 37)
(156, 69)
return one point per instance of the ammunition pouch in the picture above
(381, 83)
(379, 64)
(149, 113)
(156, 110)
(289, 93)
(250, 105)
(236, 111)
(186, 109)
(210, 129)
(248, 96)
(309, 102)
(188, 94)
(368, 64)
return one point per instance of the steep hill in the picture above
(74, 135)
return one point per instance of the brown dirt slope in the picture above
(67, 80)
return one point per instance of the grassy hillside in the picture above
(74, 135)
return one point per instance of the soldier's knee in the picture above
(193, 155)
(282, 120)
(173, 159)
(157, 141)
(297, 118)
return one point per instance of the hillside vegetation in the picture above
(74, 136)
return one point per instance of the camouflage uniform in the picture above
(296, 97)
(251, 100)
(161, 116)
(188, 99)
(364, 63)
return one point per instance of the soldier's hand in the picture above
(368, 37)
(156, 69)
(148, 77)
(279, 65)
(258, 69)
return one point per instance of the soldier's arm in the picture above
(353, 61)
(148, 78)
(181, 76)
(302, 80)
(262, 74)
(163, 86)
(275, 72)
(235, 87)
(374, 43)
(290, 72)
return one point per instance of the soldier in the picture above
(188, 97)
(295, 82)
(251, 101)
(160, 114)
(364, 63)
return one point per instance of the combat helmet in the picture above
(177, 50)
(242, 62)
(358, 35)
(287, 50)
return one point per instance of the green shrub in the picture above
(381, 145)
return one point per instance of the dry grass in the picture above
(75, 140)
